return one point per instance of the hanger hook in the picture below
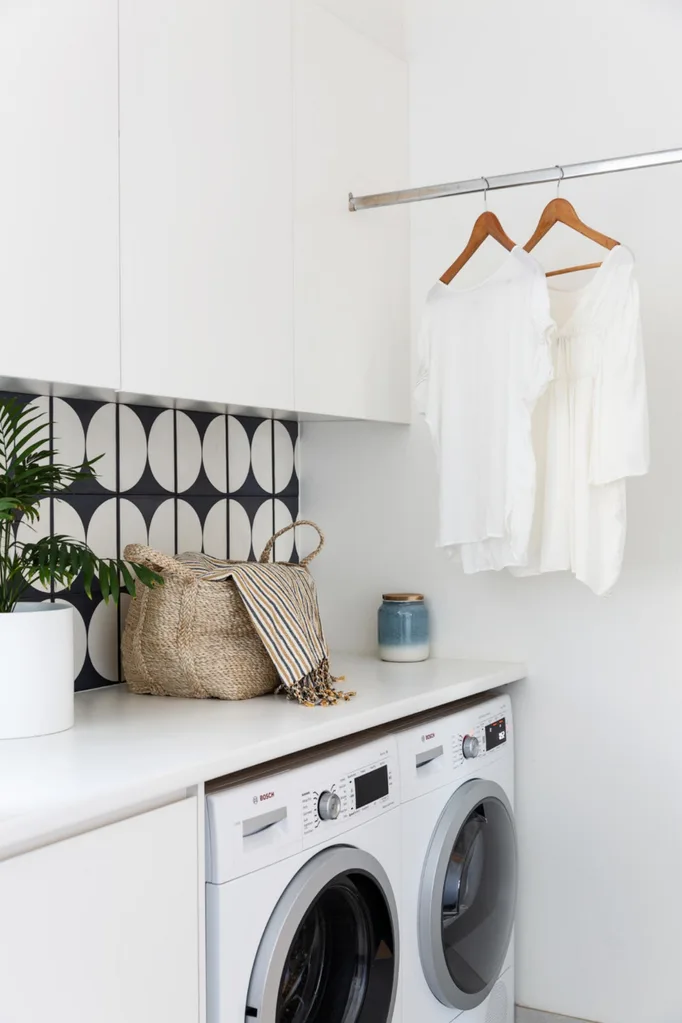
(559, 180)
(485, 193)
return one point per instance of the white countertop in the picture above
(127, 749)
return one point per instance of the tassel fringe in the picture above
(317, 688)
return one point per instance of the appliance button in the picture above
(329, 806)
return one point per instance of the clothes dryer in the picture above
(459, 862)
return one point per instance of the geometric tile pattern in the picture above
(176, 480)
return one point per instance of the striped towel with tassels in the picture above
(281, 601)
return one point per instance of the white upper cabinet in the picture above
(173, 202)
(59, 192)
(104, 927)
(351, 293)
(206, 200)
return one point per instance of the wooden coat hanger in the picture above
(560, 211)
(486, 226)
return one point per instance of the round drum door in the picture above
(330, 951)
(468, 895)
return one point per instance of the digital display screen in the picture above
(496, 734)
(371, 786)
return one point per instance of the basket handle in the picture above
(156, 560)
(267, 550)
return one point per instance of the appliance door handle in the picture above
(254, 825)
(428, 756)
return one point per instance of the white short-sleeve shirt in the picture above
(484, 361)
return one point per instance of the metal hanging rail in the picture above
(536, 177)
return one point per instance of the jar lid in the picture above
(403, 597)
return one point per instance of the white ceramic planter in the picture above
(36, 670)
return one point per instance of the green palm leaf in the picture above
(30, 472)
(8, 508)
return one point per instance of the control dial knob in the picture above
(470, 747)
(328, 806)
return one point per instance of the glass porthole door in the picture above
(330, 951)
(468, 895)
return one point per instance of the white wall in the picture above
(502, 87)
(380, 20)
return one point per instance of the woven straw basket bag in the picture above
(194, 638)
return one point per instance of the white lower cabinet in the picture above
(104, 927)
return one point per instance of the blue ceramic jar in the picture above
(403, 627)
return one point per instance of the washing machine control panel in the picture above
(440, 749)
(481, 738)
(267, 816)
(348, 789)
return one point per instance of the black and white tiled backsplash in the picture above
(175, 480)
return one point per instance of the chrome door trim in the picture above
(465, 799)
(289, 912)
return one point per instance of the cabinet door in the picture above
(206, 200)
(103, 928)
(351, 270)
(59, 316)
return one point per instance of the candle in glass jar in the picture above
(403, 627)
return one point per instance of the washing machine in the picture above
(459, 862)
(303, 868)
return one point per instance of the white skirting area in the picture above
(534, 1016)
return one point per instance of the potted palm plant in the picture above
(36, 637)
